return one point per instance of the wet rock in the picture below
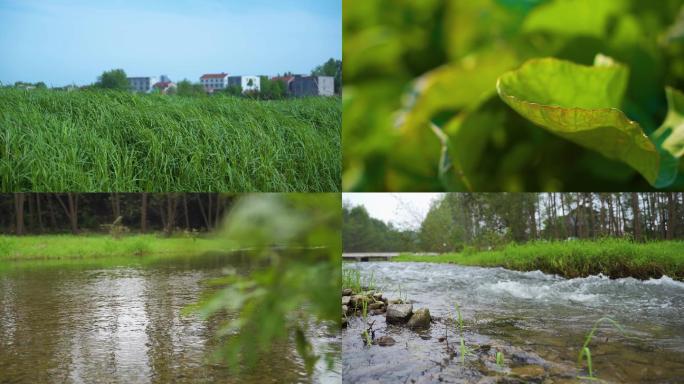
(399, 313)
(377, 296)
(345, 309)
(347, 292)
(385, 341)
(376, 305)
(377, 312)
(531, 373)
(420, 319)
(344, 322)
(356, 301)
(345, 300)
(395, 301)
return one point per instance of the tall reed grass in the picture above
(87, 141)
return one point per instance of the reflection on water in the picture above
(124, 325)
(541, 313)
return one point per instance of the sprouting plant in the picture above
(371, 282)
(463, 348)
(585, 352)
(364, 314)
(353, 279)
(500, 359)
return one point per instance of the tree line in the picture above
(486, 220)
(270, 89)
(42, 213)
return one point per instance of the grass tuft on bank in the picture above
(93, 141)
(616, 258)
(70, 247)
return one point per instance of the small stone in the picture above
(385, 341)
(420, 319)
(376, 312)
(345, 300)
(345, 309)
(377, 296)
(399, 313)
(347, 292)
(376, 305)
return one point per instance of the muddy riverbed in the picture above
(537, 321)
(123, 324)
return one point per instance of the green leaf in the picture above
(580, 103)
(454, 87)
(574, 17)
(669, 138)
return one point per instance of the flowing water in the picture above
(535, 319)
(123, 324)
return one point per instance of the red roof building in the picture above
(164, 86)
(213, 81)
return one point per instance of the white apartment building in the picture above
(248, 83)
(142, 84)
(212, 81)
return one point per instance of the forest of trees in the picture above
(361, 232)
(37, 213)
(484, 220)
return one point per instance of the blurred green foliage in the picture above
(421, 110)
(294, 280)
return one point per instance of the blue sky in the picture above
(72, 41)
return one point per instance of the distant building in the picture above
(213, 81)
(247, 83)
(164, 79)
(312, 86)
(165, 86)
(142, 84)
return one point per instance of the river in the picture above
(123, 324)
(534, 319)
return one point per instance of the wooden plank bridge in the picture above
(375, 256)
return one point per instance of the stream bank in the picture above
(538, 322)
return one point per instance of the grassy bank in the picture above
(95, 141)
(70, 247)
(611, 257)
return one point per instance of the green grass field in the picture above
(612, 257)
(94, 141)
(65, 247)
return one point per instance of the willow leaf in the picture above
(581, 104)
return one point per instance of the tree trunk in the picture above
(185, 211)
(71, 210)
(671, 216)
(39, 209)
(171, 203)
(116, 205)
(204, 214)
(143, 213)
(19, 199)
(636, 221)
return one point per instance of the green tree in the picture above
(186, 88)
(114, 79)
